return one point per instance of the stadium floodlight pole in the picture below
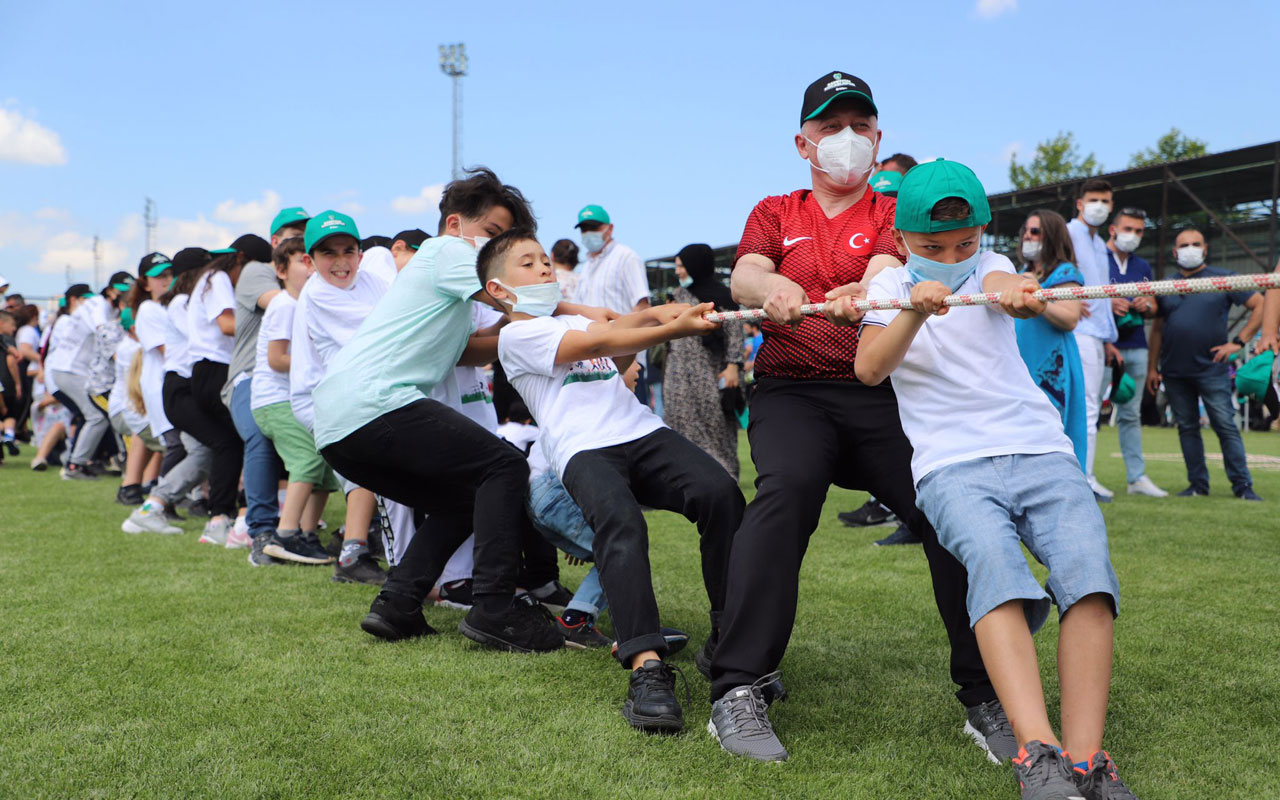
(97, 261)
(453, 62)
(149, 220)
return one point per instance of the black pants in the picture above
(805, 436)
(663, 470)
(203, 415)
(433, 459)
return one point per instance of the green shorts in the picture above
(296, 446)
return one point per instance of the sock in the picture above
(545, 590)
(573, 616)
(352, 549)
(8, 434)
(288, 533)
(154, 505)
(1083, 766)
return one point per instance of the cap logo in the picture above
(588, 213)
(838, 83)
(331, 222)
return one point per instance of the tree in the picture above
(1056, 160)
(1173, 146)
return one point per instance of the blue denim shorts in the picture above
(558, 518)
(986, 508)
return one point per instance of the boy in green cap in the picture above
(993, 470)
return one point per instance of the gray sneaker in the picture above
(148, 519)
(1043, 773)
(216, 531)
(989, 727)
(1102, 782)
(740, 723)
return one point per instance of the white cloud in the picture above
(990, 9)
(28, 142)
(1010, 150)
(255, 215)
(50, 213)
(425, 201)
(353, 208)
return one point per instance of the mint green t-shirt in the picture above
(411, 341)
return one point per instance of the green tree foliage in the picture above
(1056, 160)
(1173, 146)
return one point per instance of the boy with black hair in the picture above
(994, 470)
(404, 245)
(612, 452)
(377, 426)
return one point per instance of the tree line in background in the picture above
(1059, 159)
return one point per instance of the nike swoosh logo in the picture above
(789, 242)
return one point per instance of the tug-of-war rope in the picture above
(1216, 285)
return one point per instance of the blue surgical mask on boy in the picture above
(536, 299)
(593, 241)
(952, 276)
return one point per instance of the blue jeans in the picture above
(559, 519)
(261, 473)
(1215, 391)
(1129, 415)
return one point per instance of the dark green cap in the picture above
(925, 184)
(289, 216)
(326, 224)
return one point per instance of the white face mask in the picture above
(476, 241)
(846, 156)
(535, 299)
(593, 241)
(1128, 241)
(1190, 257)
(1096, 212)
(1030, 250)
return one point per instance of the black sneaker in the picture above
(557, 599)
(871, 513)
(171, 515)
(257, 558)
(11, 446)
(1247, 493)
(651, 704)
(365, 570)
(334, 547)
(902, 535)
(1102, 781)
(76, 472)
(1194, 491)
(130, 495)
(989, 727)
(521, 628)
(773, 689)
(296, 548)
(456, 595)
(582, 635)
(195, 508)
(393, 619)
(676, 640)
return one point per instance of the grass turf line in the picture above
(150, 666)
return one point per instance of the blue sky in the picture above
(677, 117)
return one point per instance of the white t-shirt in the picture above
(325, 319)
(519, 434)
(963, 389)
(70, 335)
(579, 406)
(150, 327)
(177, 354)
(380, 263)
(118, 402)
(466, 390)
(30, 335)
(213, 294)
(270, 386)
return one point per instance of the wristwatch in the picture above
(1238, 341)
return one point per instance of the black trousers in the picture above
(435, 460)
(204, 416)
(662, 470)
(805, 436)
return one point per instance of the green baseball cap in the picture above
(326, 224)
(592, 214)
(885, 181)
(289, 216)
(1253, 378)
(925, 184)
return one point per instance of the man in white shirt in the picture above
(1096, 331)
(613, 276)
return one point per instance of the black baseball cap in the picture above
(413, 237)
(830, 86)
(253, 246)
(189, 258)
(370, 242)
(152, 264)
(78, 290)
(120, 281)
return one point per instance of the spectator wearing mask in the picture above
(1131, 340)
(1189, 350)
(1097, 327)
(564, 257)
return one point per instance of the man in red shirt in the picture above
(814, 424)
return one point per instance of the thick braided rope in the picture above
(1215, 285)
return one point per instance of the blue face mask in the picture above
(536, 299)
(952, 276)
(685, 282)
(593, 241)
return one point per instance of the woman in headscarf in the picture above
(701, 391)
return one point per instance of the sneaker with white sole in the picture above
(1100, 493)
(989, 727)
(740, 723)
(1145, 486)
(238, 539)
(1044, 773)
(148, 519)
(216, 531)
(297, 548)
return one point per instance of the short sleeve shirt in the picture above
(818, 253)
(256, 279)
(1193, 324)
(213, 294)
(270, 387)
(1136, 269)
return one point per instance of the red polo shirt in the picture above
(819, 254)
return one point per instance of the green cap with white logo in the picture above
(886, 181)
(925, 184)
(326, 224)
(592, 214)
(289, 216)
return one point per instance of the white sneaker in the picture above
(1144, 486)
(216, 532)
(148, 519)
(239, 537)
(1100, 490)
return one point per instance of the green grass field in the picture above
(147, 666)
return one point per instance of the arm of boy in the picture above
(278, 355)
(607, 340)
(227, 322)
(1016, 294)
(881, 349)
(481, 349)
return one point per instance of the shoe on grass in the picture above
(556, 598)
(773, 690)
(582, 634)
(1247, 493)
(456, 594)
(257, 558)
(130, 495)
(77, 472)
(296, 548)
(1044, 773)
(676, 640)
(148, 519)
(870, 513)
(989, 727)
(902, 535)
(520, 628)
(1101, 492)
(1102, 781)
(394, 618)
(1194, 491)
(216, 531)
(364, 570)
(239, 538)
(740, 723)
(39, 465)
(1145, 486)
(651, 704)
